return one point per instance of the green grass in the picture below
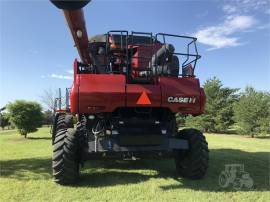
(26, 173)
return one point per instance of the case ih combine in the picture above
(126, 92)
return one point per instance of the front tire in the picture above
(61, 121)
(65, 161)
(192, 163)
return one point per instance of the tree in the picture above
(252, 112)
(47, 117)
(218, 116)
(25, 115)
(199, 122)
(48, 99)
(4, 120)
(180, 119)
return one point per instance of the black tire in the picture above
(192, 163)
(69, 4)
(81, 132)
(61, 121)
(65, 161)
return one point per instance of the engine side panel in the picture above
(101, 92)
(181, 95)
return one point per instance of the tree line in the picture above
(246, 112)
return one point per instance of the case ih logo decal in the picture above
(181, 99)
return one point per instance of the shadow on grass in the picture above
(263, 137)
(21, 138)
(39, 138)
(110, 173)
(26, 169)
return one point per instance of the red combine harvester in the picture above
(126, 92)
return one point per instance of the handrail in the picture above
(187, 61)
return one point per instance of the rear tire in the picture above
(65, 161)
(192, 163)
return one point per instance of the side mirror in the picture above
(70, 5)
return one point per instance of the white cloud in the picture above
(245, 6)
(239, 18)
(229, 9)
(67, 76)
(220, 36)
(59, 76)
(70, 71)
(265, 26)
(203, 14)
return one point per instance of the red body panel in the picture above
(101, 92)
(203, 100)
(95, 93)
(181, 88)
(74, 93)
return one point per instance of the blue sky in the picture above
(37, 50)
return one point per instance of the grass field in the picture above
(26, 173)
